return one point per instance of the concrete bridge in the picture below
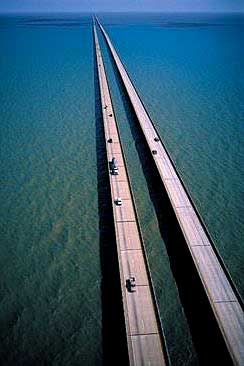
(145, 339)
(223, 297)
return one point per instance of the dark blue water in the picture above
(189, 73)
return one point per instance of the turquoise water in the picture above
(191, 81)
(50, 266)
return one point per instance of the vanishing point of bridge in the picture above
(139, 307)
(144, 335)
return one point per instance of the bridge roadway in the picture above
(217, 283)
(145, 342)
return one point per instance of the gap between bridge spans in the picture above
(221, 292)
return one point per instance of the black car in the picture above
(130, 284)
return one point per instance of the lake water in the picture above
(189, 72)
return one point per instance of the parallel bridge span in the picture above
(222, 295)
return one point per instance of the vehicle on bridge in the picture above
(114, 167)
(118, 201)
(130, 284)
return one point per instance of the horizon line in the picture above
(50, 12)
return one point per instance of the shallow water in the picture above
(51, 307)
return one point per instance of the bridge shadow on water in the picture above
(206, 336)
(113, 324)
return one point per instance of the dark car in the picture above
(130, 284)
(114, 167)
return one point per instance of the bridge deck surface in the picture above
(223, 300)
(143, 333)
